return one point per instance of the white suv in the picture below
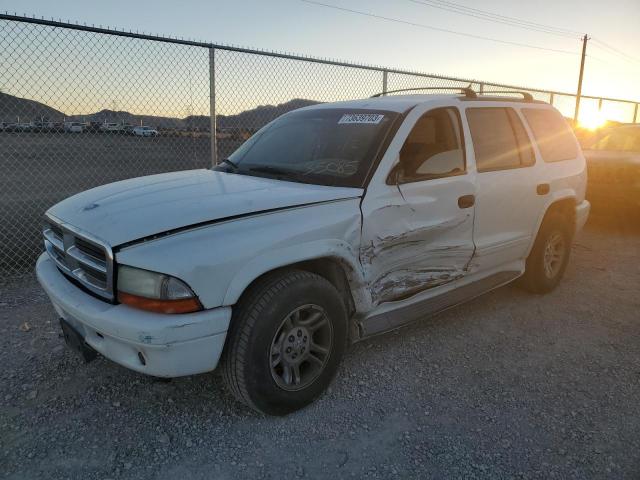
(331, 224)
(144, 132)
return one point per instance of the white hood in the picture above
(133, 209)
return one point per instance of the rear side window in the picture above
(499, 139)
(552, 134)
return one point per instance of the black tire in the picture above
(258, 320)
(539, 277)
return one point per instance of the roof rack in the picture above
(468, 92)
(525, 95)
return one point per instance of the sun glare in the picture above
(592, 119)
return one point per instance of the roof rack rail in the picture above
(525, 95)
(468, 92)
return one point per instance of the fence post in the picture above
(212, 105)
(635, 114)
(482, 88)
(551, 97)
(384, 81)
(599, 105)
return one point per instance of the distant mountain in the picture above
(12, 107)
(260, 116)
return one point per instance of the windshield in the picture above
(324, 146)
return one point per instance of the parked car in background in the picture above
(92, 127)
(331, 224)
(613, 164)
(145, 132)
(73, 127)
(23, 127)
(111, 128)
(42, 126)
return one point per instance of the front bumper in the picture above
(156, 344)
(582, 214)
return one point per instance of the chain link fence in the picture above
(84, 106)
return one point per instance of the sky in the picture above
(294, 26)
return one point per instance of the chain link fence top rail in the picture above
(72, 96)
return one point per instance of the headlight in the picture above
(155, 292)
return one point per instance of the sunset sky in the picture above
(300, 27)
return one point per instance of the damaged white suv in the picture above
(331, 224)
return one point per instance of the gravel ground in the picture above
(510, 385)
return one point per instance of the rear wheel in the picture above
(550, 254)
(286, 339)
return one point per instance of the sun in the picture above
(592, 120)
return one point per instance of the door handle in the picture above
(466, 201)
(543, 189)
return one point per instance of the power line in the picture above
(519, 23)
(493, 17)
(438, 29)
(619, 53)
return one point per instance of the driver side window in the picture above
(434, 148)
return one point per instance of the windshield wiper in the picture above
(230, 163)
(278, 173)
(269, 169)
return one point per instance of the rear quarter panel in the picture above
(567, 178)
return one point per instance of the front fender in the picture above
(219, 261)
(330, 248)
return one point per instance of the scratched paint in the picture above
(405, 283)
(416, 238)
(405, 252)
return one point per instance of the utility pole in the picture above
(579, 94)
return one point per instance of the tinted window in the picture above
(621, 140)
(323, 145)
(434, 148)
(499, 139)
(552, 134)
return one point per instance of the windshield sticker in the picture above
(371, 118)
(337, 167)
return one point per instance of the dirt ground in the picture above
(510, 385)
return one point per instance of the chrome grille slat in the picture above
(81, 256)
(88, 260)
(86, 277)
(54, 239)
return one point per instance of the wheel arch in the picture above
(336, 272)
(341, 270)
(565, 204)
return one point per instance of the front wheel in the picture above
(550, 254)
(287, 337)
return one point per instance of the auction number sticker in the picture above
(371, 118)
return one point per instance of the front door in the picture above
(418, 226)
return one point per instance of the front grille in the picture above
(87, 260)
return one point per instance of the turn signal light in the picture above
(183, 305)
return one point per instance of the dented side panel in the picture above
(415, 237)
